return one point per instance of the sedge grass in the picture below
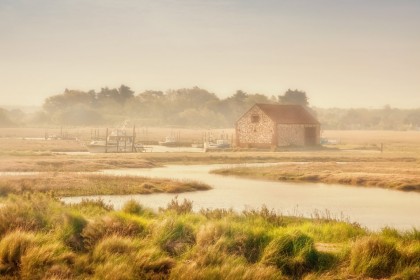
(394, 175)
(138, 244)
(70, 184)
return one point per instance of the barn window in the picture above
(255, 118)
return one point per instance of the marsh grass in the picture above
(113, 224)
(69, 184)
(49, 162)
(375, 256)
(82, 242)
(174, 205)
(293, 254)
(401, 175)
(12, 247)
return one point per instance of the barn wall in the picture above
(293, 134)
(259, 134)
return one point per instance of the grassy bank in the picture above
(41, 238)
(68, 184)
(93, 162)
(396, 175)
(70, 163)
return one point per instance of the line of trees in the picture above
(182, 107)
(193, 107)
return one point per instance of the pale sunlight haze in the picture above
(342, 53)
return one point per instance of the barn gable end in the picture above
(255, 129)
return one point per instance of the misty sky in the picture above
(343, 53)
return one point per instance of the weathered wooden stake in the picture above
(106, 141)
(118, 143)
(133, 147)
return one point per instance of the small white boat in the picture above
(170, 141)
(100, 146)
(218, 144)
(117, 142)
(197, 145)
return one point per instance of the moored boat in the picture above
(218, 144)
(117, 142)
(169, 141)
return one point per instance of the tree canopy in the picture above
(197, 107)
(294, 97)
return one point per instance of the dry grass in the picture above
(186, 245)
(394, 175)
(355, 146)
(68, 184)
(70, 163)
(16, 146)
(94, 162)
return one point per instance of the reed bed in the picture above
(42, 238)
(76, 184)
(399, 175)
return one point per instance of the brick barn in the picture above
(277, 125)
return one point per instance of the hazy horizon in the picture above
(342, 53)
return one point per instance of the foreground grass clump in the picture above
(67, 184)
(12, 247)
(46, 239)
(380, 257)
(294, 254)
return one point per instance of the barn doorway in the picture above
(310, 136)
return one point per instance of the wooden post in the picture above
(118, 143)
(133, 139)
(106, 141)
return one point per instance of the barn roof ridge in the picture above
(287, 113)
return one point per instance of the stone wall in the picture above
(255, 134)
(293, 134)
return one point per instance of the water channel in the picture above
(373, 208)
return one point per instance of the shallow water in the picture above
(373, 208)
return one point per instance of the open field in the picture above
(42, 238)
(394, 175)
(67, 184)
(39, 155)
(70, 163)
(94, 162)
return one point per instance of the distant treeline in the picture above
(192, 107)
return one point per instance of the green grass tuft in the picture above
(12, 247)
(293, 253)
(374, 256)
(107, 226)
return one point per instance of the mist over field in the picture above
(192, 108)
(346, 54)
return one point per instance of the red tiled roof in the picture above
(288, 114)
